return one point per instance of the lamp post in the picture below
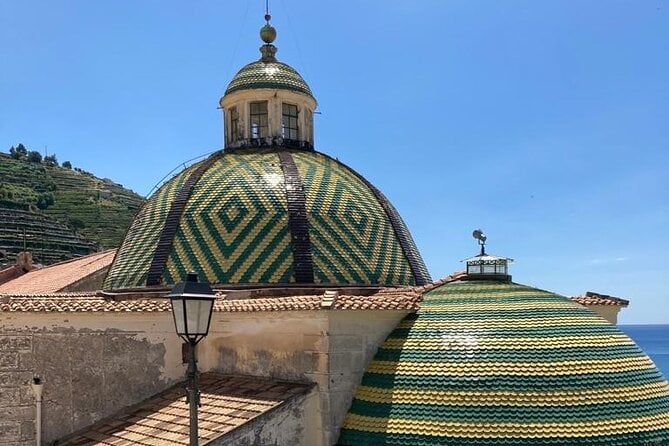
(192, 304)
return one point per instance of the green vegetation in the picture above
(89, 207)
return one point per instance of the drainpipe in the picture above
(37, 391)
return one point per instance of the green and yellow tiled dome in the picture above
(268, 74)
(496, 363)
(267, 216)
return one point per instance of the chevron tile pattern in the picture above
(275, 75)
(492, 363)
(133, 258)
(352, 239)
(234, 227)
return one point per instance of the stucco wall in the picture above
(355, 336)
(608, 312)
(287, 425)
(89, 370)
(329, 348)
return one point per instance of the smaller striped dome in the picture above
(496, 363)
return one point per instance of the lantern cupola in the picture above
(487, 266)
(268, 103)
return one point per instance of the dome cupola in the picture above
(268, 103)
(486, 266)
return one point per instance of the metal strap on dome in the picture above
(297, 220)
(418, 268)
(155, 273)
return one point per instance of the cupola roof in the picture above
(272, 75)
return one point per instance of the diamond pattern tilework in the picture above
(134, 256)
(352, 239)
(492, 363)
(261, 74)
(234, 228)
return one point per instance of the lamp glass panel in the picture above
(178, 310)
(197, 316)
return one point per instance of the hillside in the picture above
(93, 211)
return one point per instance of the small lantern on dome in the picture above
(486, 265)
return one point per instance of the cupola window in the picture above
(234, 124)
(289, 121)
(258, 119)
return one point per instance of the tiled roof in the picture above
(439, 282)
(233, 226)
(274, 75)
(495, 363)
(389, 299)
(227, 403)
(55, 277)
(592, 298)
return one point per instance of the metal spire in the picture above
(268, 34)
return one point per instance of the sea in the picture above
(654, 340)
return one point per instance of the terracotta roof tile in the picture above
(55, 277)
(437, 283)
(227, 403)
(387, 299)
(592, 298)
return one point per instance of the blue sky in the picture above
(544, 123)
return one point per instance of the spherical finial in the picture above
(268, 33)
(268, 18)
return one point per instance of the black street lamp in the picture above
(192, 305)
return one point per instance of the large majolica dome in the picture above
(495, 363)
(268, 216)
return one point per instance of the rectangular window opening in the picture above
(258, 120)
(289, 121)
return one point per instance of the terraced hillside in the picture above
(95, 211)
(46, 238)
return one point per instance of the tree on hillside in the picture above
(67, 165)
(34, 156)
(51, 161)
(44, 200)
(19, 152)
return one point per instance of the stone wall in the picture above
(89, 370)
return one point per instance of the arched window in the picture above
(289, 121)
(258, 119)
